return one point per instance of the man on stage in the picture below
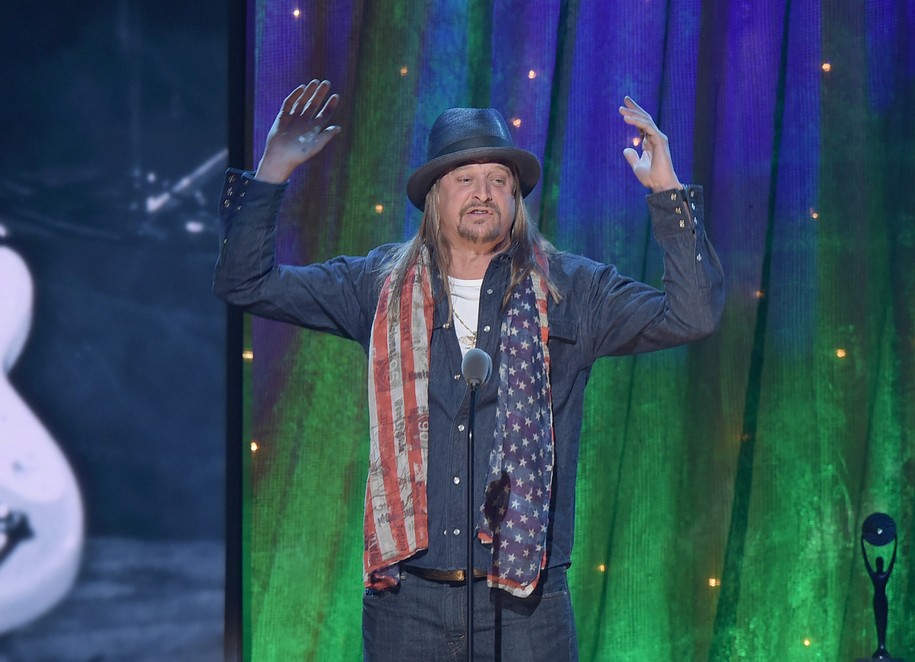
(477, 274)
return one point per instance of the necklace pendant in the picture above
(468, 341)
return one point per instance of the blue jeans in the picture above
(424, 621)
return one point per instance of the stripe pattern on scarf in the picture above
(396, 512)
(515, 512)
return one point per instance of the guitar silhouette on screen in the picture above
(41, 510)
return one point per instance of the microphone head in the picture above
(476, 367)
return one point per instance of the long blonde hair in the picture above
(525, 243)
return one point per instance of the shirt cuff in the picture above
(241, 189)
(676, 211)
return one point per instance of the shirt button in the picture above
(456, 480)
(489, 291)
(699, 257)
(456, 532)
(486, 328)
(445, 532)
(460, 427)
(682, 223)
(673, 196)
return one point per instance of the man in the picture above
(477, 274)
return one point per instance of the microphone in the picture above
(476, 367)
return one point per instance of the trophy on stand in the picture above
(878, 531)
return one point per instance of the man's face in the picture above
(476, 203)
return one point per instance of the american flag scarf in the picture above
(515, 509)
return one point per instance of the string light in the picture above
(636, 141)
(841, 353)
(379, 208)
(814, 214)
(826, 66)
(602, 568)
(254, 446)
(532, 74)
(713, 582)
(759, 294)
(807, 642)
(247, 355)
(296, 13)
(516, 122)
(404, 70)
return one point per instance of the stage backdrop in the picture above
(722, 486)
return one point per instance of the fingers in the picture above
(328, 109)
(631, 156)
(638, 117)
(311, 98)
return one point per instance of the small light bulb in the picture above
(532, 74)
(404, 70)
(827, 67)
(254, 447)
(806, 642)
(247, 355)
(636, 141)
(602, 567)
(296, 13)
(516, 122)
(841, 353)
(379, 208)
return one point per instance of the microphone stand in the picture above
(476, 367)
(468, 578)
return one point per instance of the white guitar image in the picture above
(41, 511)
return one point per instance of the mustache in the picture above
(480, 205)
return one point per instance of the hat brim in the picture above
(425, 176)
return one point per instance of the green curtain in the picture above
(722, 486)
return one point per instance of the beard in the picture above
(480, 234)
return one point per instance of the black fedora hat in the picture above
(466, 135)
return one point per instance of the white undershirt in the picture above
(465, 300)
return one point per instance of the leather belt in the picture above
(443, 576)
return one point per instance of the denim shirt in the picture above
(601, 313)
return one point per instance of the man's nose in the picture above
(481, 191)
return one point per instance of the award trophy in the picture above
(878, 531)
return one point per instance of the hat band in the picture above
(473, 142)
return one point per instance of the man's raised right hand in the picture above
(299, 131)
